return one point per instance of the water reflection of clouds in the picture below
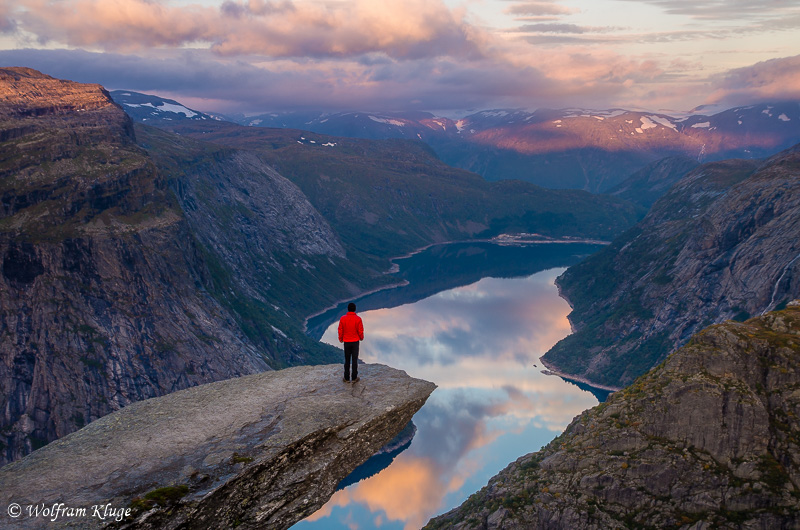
(505, 319)
(479, 344)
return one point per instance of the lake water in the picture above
(480, 341)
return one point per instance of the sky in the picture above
(445, 56)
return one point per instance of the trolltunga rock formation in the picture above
(260, 451)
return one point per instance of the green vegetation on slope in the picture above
(386, 198)
(711, 249)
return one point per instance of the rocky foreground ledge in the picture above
(260, 451)
(708, 439)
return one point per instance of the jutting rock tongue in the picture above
(260, 451)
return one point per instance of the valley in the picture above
(137, 261)
(147, 253)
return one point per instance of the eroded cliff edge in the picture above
(708, 439)
(260, 451)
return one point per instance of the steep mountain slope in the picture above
(569, 148)
(709, 439)
(109, 293)
(386, 198)
(651, 182)
(275, 258)
(721, 244)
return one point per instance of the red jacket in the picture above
(351, 329)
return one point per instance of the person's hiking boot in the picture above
(356, 380)
(345, 380)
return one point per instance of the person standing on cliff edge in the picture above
(351, 330)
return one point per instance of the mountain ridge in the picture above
(576, 148)
(720, 244)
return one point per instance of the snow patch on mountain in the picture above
(388, 121)
(647, 123)
(664, 121)
(165, 107)
(440, 123)
(493, 113)
(702, 125)
(784, 117)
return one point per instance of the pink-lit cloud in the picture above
(724, 9)
(529, 9)
(400, 29)
(259, 55)
(776, 79)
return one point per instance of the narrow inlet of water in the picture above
(480, 343)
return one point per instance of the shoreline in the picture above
(497, 240)
(359, 295)
(551, 370)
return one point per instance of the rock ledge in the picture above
(263, 450)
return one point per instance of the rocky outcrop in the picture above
(722, 244)
(261, 451)
(708, 439)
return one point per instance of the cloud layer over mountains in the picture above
(251, 55)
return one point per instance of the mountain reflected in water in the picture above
(480, 343)
(448, 266)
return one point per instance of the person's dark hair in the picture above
(351, 307)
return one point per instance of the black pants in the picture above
(350, 356)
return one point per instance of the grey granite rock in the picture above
(260, 451)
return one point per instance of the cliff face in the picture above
(710, 438)
(128, 274)
(261, 451)
(650, 183)
(101, 285)
(721, 244)
(279, 253)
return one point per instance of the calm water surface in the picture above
(480, 343)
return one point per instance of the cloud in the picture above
(775, 79)
(535, 9)
(7, 24)
(563, 28)
(552, 28)
(401, 29)
(724, 9)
